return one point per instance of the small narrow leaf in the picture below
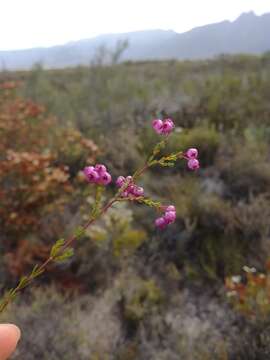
(150, 202)
(79, 232)
(11, 294)
(165, 163)
(36, 272)
(68, 253)
(23, 282)
(57, 247)
(157, 149)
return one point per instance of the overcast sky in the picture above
(31, 23)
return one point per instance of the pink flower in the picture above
(97, 174)
(192, 153)
(169, 121)
(170, 208)
(120, 181)
(100, 168)
(193, 164)
(138, 191)
(132, 189)
(167, 127)
(163, 127)
(170, 217)
(157, 125)
(91, 174)
(160, 223)
(105, 178)
(129, 179)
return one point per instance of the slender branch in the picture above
(67, 244)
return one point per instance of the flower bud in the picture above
(120, 181)
(170, 217)
(193, 164)
(138, 191)
(105, 179)
(160, 223)
(91, 174)
(100, 168)
(192, 153)
(167, 127)
(157, 125)
(170, 208)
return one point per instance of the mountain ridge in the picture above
(247, 34)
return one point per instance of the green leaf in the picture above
(157, 149)
(165, 163)
(150, 202)
(68, 253)
(23, 282)
(36, 271)
(11, 294)
(79, 232)
(168, 160)
(57, 247)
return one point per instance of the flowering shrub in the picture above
(33, 173)
(128, 190)
(39, 163)
(32, 180)
(250, 294)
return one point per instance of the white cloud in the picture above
(29, 23)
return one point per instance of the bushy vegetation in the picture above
(162, 294)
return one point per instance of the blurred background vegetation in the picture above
(131, 292)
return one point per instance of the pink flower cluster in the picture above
(163, 127)
(97, 174)
(191, 156)
(132, 189)
(168, 218)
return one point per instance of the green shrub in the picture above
(139, 299)
(245, 169)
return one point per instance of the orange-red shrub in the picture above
(39, 160)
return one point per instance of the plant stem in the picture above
(68, 243)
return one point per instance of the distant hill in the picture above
(249, 33)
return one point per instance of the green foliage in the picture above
(219, 256)
(57, 247)
(157, 149)
(36, 271)
(140, 299)
(128, 241)
(216, 246)
(59, 253)
(247, 169)
(67, 253)
(149, 202)
(219, 106)
(79, 232)
(117, 233)
(168, 160)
